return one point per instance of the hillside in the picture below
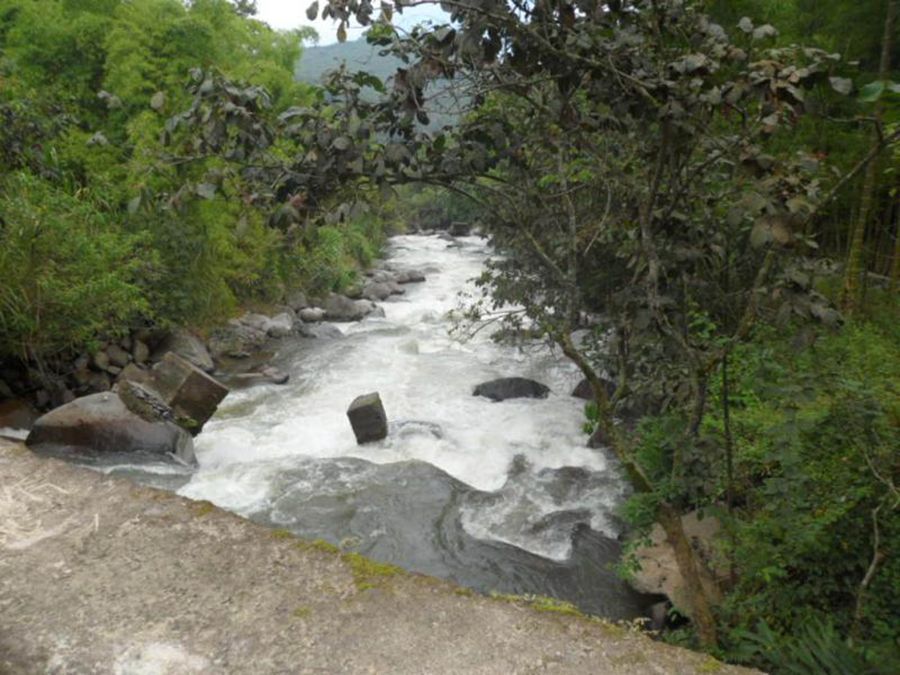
(443, 108)
(358, 55)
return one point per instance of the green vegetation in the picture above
(104, 225)
(722, 200)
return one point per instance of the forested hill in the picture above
(358, 55)
(442, 105)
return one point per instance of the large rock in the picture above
(341, 308)
(258, 321)
(280, 325)
(140, 352)
(410, 277)
(368, 419)
(118, 356)
(376, 290)
(102, 423)
(297, 301)
(236, 340)
(511, 387)
(311, 314)
(658, 571)
(583, 389)
(192, 394)
(322, 331)
(187, 346)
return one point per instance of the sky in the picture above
(289, 14)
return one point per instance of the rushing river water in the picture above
(496, 496)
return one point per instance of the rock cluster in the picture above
(151, 389)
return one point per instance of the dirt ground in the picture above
(98, 575)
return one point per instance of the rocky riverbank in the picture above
(235, 351)
(99, 575)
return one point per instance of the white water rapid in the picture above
(501, 496)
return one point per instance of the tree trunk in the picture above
(693, 571)
(850, 295)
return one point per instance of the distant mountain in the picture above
(358, 54)
(442, 108)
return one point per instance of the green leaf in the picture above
(313, 10)
(872, 91)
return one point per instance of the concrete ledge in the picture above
(98, 575)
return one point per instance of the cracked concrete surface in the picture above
(98, 575)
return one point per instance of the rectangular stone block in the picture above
(368, 419)
(189, 391)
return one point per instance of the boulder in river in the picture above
(323, 331)
(375, 290)
(368, 419)
(311, 314)
(102, 423)
(236, 340)
(341, 308)
(511, 387)
(187, 346)
(280, 325)
(410, 277)
(191, 393)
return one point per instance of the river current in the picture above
(500, 497)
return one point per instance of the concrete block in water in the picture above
(368, 419)
(189, 391)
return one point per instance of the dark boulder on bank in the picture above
(102, 423)
(583, 389)
(511, 387)
(368, 419)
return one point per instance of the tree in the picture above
(624, 152)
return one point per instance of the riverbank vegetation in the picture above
(97, 233)
(716, 194)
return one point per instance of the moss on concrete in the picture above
(367, 573)
(318, 545)
(203, 507)
(302, 612)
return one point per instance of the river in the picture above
(499, 497)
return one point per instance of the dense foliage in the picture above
(96, 233)
(688, 176)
